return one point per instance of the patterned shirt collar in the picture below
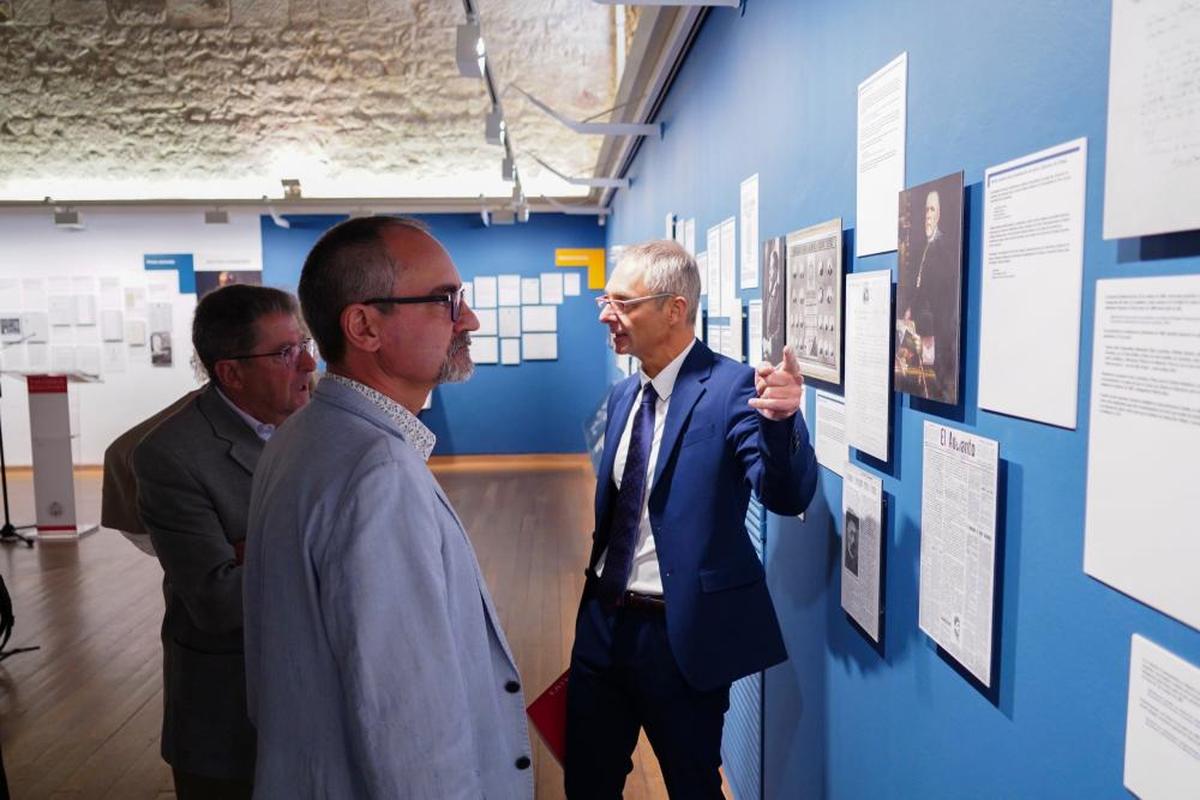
(415, 433)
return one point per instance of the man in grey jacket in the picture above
(375, 662)
(193, 475)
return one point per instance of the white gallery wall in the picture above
(86, 303)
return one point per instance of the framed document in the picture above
(814, 292)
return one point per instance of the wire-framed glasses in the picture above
(288, 355)
(621, 306)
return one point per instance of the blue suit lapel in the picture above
(689, 387)
(626, 392)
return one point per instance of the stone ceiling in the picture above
(134, 99)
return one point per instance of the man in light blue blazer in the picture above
(375, 662)
(676, 607)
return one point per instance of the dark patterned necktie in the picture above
(627, 516)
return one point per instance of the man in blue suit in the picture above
(676, 607)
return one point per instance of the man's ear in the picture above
(679, 308)
(229, 374)
(359, 326)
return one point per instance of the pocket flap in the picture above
(716, 580)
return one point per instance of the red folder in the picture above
(548, 713)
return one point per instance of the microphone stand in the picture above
(9, 532)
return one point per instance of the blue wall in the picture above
(773, 91)
(537, 407)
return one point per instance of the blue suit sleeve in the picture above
(777, 457)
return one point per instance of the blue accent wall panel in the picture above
(537, 407)
(773, 91)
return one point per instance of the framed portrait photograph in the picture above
(774, 298)
(929, 289)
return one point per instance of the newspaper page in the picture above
(862, 516)
(958, 544)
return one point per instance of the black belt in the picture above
(636, 601)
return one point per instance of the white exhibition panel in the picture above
(113, 243)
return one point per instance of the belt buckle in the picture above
(644, 602)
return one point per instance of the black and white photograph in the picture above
(814, 292)
(850, 559)
(10, 328)
(929, 290)
(160, 349)
(774, 280)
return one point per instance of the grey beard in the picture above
(458, 365)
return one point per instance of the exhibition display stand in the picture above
(53, 469)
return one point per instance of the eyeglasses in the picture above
(453, 299)
(621, 306)
(288, 355)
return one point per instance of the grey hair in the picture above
(348, 264)
(224, 324)
(665, 267)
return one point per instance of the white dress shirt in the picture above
(644, 577)
(262, 430)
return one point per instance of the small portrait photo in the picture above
(850, 541)
(160, 349)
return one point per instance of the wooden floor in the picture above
(80, 718)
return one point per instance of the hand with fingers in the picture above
(780, 389)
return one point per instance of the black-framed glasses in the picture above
(621, 306)
(453, 299)
(288, 355)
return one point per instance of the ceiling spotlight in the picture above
(469, 52)
(67, 219)
(216, 216)
(523, 213)
(291, 188)
(493, 130)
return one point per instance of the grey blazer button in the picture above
(523, 762)
(512, 687)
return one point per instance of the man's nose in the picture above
(306, 362)
(467, 321)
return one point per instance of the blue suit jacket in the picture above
(715, 449)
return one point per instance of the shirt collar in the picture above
(664, 381)
(419, 437)
(261, 429)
